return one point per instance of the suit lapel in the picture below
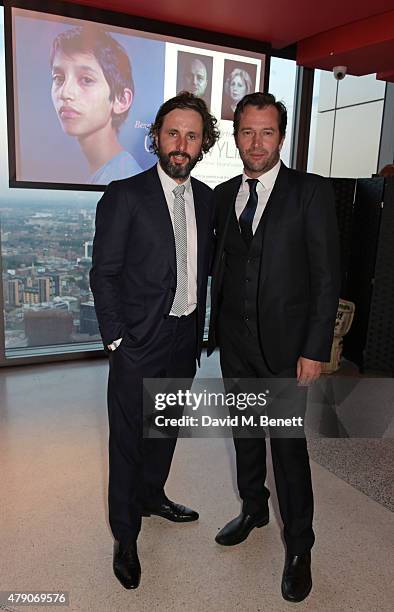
(162, 219)
(202, 213)
(229, 196)
(279, 193)
(273, 215)
(274, 209)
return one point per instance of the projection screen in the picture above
(85, 93)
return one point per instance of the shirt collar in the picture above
(168, 183)
(267, 179)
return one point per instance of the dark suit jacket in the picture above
(299, 272)
(133, 275)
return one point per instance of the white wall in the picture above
(346, 124)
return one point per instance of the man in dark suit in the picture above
(274, 298)
(149, 279)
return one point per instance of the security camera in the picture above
(339, 72)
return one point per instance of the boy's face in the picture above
(81, 94)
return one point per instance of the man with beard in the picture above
(149, 280)
(275, 292)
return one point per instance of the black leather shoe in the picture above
(172, 512)
(126, 565)
(237, 530)
(297, 578)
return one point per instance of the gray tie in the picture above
(180, 303)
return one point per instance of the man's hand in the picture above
(308, 371)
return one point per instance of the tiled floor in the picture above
(54, 531)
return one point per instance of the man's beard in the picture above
(261, 166)
(177, 171)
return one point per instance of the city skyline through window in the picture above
(46, 243)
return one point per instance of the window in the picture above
(46, 239)
(282, 85)
(345, 125)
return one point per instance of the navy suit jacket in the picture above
(299, 279)
(133, 275)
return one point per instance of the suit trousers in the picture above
(241, 356)
(139, 467)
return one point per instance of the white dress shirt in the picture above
(264, 187)
(168, 185)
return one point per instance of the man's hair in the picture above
(245, 76)
(111, 56)
(260, 100)
(187, 101)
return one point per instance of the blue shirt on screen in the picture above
(119, 167)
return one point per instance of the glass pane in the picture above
(46, 239)
(344, 113)
(282, 85)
